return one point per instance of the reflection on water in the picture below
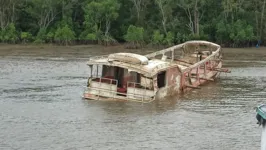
(41, 108)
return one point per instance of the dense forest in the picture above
(233, 23)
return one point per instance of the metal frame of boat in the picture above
(144, 78)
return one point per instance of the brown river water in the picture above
(41, 105)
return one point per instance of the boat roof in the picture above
(148, 65)
(150, 69)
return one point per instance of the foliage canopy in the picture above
(137, 22)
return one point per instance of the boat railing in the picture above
(104, 79)
(138, 93)
(144, 99)
(207, 59)
(102, 84)
(134, 96)
(179, 48)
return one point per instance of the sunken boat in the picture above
(145, 78)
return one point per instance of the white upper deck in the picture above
(149, 65)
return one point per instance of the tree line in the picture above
(232, 23)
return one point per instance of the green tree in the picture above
(194, 10)
(169, 39)
(222, 32)
(44, 13)
(9, 34)
(157, 38)
(134, 36)
(7, 12)
(26, 37)
(64, 35)
(99, 15)
(139, 11)
(166, 10)
(241, 32)
(229, 22)
(41, 36)
(50, 36)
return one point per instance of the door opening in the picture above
(161, 79)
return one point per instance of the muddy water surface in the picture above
(41, 106)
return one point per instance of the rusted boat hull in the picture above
(164, 73)
(200, 79)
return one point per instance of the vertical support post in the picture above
(173, 55)
(205, 69)
(99, 88)
(198, 74)
(145, 89)
(90, 72)
(189, 77)
(116, 82)
(111, 81)
(134, 89)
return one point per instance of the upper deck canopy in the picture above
(152, 67)
(149, 66)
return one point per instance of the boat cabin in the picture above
(130, 78)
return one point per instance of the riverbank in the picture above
(65, 51)
(85, 51)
